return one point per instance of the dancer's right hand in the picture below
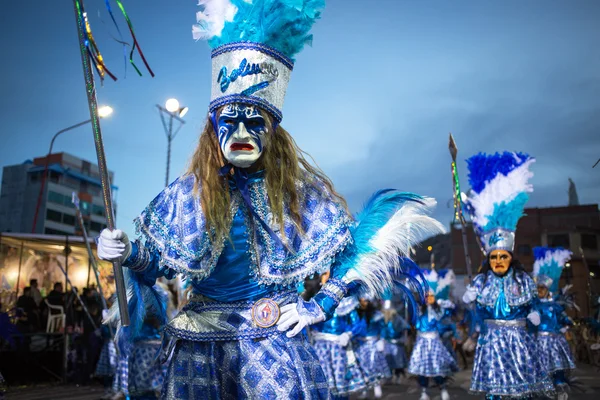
(344, 339)
(113, 246)
(470, 295)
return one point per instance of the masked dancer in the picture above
(507, 362)
(251, 219)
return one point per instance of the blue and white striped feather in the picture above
(281, 24)
(142, 301)
(500, 187)
(550, 262)
(390, 224)
(440, 282)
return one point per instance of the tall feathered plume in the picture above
(390, 224)
(142, 300)
(440, 282)
(549, 262)
(281, 24)
(500, 187)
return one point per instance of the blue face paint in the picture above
(240, 131)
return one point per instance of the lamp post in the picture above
(102, 112)
(173, 111)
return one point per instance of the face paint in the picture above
(500, 261)
(241, 132)
(542, 291)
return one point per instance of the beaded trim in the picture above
(251, 100)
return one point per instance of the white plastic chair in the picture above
(55, 321)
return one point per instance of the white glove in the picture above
(302, 314)
(380, 345)
(113, 246)
(470, 295)
(564, 329)
(445, 303)
(344, 339)
(469, 345)
(534, 318)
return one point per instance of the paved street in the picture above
(587, 376)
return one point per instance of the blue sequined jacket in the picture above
(552, 316)
(345, 319)
(250, 264)
(394, 329)
(509, 297)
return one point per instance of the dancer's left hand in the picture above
(534, 318)
(302, 314)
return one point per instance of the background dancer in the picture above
(430, 358)
(507, 362)
(552, 345)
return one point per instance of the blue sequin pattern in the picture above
(175, 226)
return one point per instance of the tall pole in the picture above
(169, 139)
(170, 134)
(106, 189)
(458, 214)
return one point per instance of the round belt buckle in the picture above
(265, 313)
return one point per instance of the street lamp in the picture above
(103, 112)
(173, 110)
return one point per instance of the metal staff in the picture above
(106, 193)
(458, 214)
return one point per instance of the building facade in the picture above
(576, 228)
(56, 213)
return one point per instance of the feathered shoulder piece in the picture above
(548, 266)
(499, 191)
(254, 44)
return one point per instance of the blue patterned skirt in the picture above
(121, 379)
(555, 352)
(371, 360)
(344, 374)
(146, 375)
(275, 367)
(107, 363)
(395, 355)
(508, 363)
(430, 357)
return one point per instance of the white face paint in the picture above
(241, 134)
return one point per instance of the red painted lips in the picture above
(241, 147)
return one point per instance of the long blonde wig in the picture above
(284, 164)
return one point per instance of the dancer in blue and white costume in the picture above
(430, 358)
(393, 333)
(553, 347)
(252, 218)
(370, 346)
(507, 362)
(333, 345)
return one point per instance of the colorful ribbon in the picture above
(135, 43)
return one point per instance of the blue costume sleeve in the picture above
(330, 295)
(564, 319)
(358, 326)
(145, 264)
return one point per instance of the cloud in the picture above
(555, 117)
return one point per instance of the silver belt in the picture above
(395, 341)
(505, 322)
(368, 338)
(547, 334)
(428, 335)
(329, 337)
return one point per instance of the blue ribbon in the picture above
(240, 178)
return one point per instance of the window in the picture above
(68, 202)
(96, 226)
(52, 215)
(98, 210)
(69, 219)
(589, 241)
(50, 231)
(56, 198)
(85, 207)
(524, 250)
(559, 240)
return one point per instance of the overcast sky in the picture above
(372, 101)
